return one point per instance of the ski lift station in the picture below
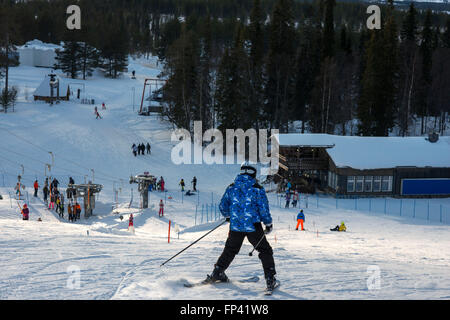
(366, 166)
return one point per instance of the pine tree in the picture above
(446, 34)
(8, 34)
(426, 50)
(328, 31)
(281, 58)
(114, 51)
(181, 70)
(408, 69)
(255, 67)
(307, 67)
(377, 99)
(231, 101)
(88, 56)
(68, 59)
(204, 105)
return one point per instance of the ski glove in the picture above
(268, 228)
(227, 219)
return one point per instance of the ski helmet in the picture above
(247, 168)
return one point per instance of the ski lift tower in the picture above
(87, 191)
(149, 82)
(143, 181)
(54, 84)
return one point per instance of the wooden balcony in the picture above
(304, 164)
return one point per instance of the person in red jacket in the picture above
(36, 187)
(25, 212)
(130, 224)
(161, 208)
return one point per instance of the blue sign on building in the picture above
(439, 186)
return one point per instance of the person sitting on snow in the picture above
(340, 228)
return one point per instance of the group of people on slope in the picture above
(183, 184)
(141, 148)
(295, 198)
(54, 199)
(301, 220)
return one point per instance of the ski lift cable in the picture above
(100, 173)
(67, 170)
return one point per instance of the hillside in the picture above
(39, 259)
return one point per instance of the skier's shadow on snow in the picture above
(277, 295)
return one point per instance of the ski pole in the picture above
(254, 248)
(193, 243)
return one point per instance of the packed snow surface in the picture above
(97, 258)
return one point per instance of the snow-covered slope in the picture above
(98, 259)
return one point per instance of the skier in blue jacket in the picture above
(300, 219)
(245, 205)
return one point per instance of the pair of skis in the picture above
(267, 291)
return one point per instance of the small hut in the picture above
(51, 89)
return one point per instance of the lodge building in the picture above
(365, 166)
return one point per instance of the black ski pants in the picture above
(234, 243)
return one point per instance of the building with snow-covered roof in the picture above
(353, 165)
(36, 53)
(52, 88)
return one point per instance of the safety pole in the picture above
(168, 238)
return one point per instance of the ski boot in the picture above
(271, 283)
(218, 275)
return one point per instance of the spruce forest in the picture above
(304, 66)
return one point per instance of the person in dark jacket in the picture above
(45, 191)
(194, 184)
(148, 148)
(245, 205)
(288, 198)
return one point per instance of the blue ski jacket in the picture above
(245, 202)
(301, 216)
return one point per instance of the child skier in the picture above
(300, 220)
(246, 195)
(58, 202)
(161, 208)
(25, 212)
(51, 205)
